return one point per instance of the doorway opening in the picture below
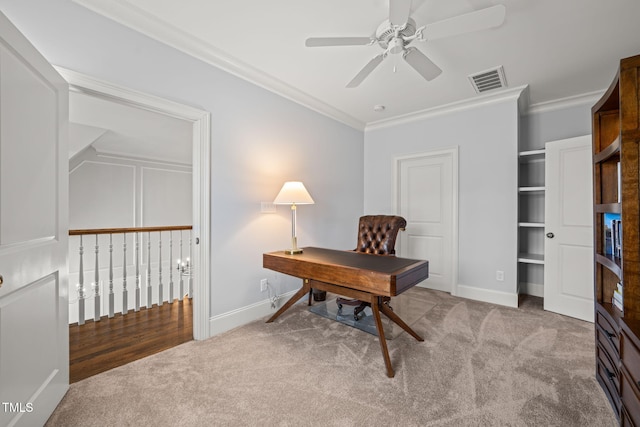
(190, 316)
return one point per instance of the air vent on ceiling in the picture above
(488, 80)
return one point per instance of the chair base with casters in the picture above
(360, 305)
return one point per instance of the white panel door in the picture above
(426, 198)
(34, 336)
(568, 249)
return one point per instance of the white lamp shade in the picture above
(293, 192)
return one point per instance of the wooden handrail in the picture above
(128, 230)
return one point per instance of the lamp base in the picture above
(294, 241)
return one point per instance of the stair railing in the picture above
(110, 306)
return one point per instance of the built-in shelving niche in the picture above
(531, 189)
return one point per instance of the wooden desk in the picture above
(366, 277)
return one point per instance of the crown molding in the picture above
(79, 82)
(137, 19)
(567, 102)
(466, 104)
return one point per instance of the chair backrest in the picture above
(377, 233)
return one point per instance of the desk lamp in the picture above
(293, 193)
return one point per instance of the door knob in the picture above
(550, 235)
(1, 280)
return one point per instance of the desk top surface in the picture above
(351, 259)
(377, 274)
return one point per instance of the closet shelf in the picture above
(531, 258)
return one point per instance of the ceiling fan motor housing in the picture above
(386, 33)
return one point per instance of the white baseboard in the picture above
(533, 289)
(241, 316)
(487, 295)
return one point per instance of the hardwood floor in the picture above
(99, 346)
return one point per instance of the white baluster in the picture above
(149, 293)
(160, 290)
(190, 269)
(111, 296)
(96, 287)
(125, 302)
(170, 269)
(181, 294)
(81, 287)
(137, 308)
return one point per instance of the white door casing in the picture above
(34, 336)
(427, 197)
(568, 247)
(201, 172)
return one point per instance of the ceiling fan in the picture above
(395, 35)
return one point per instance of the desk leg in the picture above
(398, 321)
(375, 307)
(303, 290)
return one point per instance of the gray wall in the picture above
(487, 137)
(259, 140)
(543, 125)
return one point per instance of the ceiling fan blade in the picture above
(422, 64)
(482, 19)
(399, 11)
(366, 71)
(337, 41)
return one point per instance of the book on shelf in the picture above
(618, 300)
(617, 304)
(617, 296)
(612, 235)
(619, 177)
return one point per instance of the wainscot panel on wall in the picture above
(102, 195)
(162, 191)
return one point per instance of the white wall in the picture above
(259, 140)
(487, 137)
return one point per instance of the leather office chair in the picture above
(376, 236)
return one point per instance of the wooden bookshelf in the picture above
(616, 155)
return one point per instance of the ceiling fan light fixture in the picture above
(396, 45)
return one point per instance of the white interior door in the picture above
(34, 336)
(427, 198)
(568, 249)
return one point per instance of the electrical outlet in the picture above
(500, 276)
(263, 285)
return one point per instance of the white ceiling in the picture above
(560, 48)
(123, 130)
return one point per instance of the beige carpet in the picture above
(480, 365)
